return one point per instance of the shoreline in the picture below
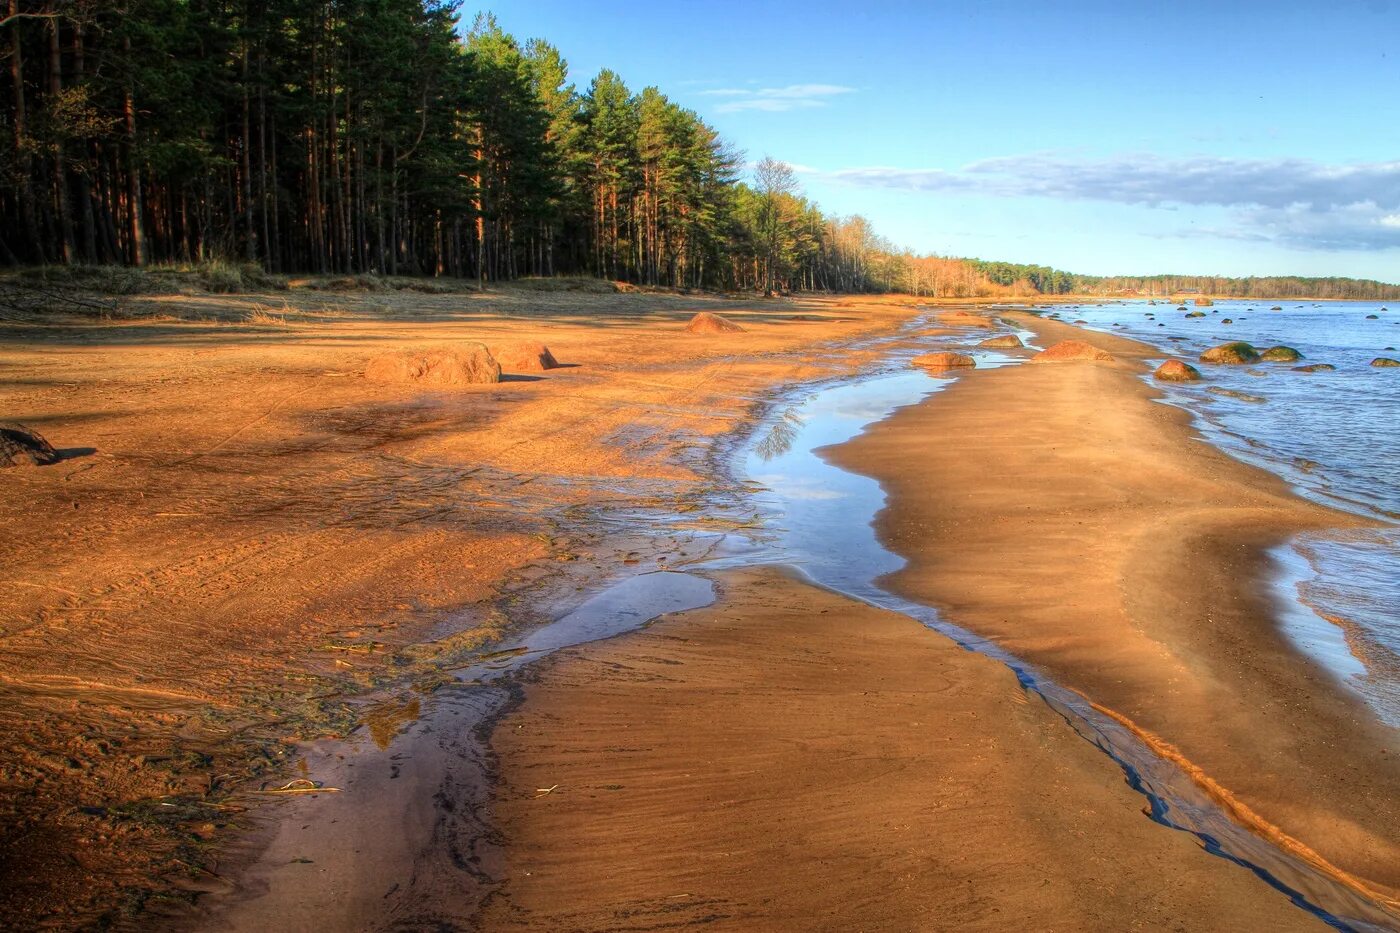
(553, 718)
(790, 732)
(1178, 637)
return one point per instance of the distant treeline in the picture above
(377, 136)
(1273, 286)
(1046, 281)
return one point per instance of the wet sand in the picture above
(788, 759)
(1059, 510)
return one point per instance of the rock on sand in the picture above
(1002, 342)
(1234, 353)
(707, 323)
(941, 361)
(459, 365)
(524, 356)
(1067, 351)
(1177, 371)
(21, 446)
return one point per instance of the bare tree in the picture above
(776, 183)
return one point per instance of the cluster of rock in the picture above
(1002, 342)
(1068, 351)
(454, 365)
(524, 356)
(707, 323)
(940, 362)
(1177, 371)
(21, 446)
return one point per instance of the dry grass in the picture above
(262, 316)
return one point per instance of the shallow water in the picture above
(1334, 435)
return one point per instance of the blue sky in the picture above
(1102, 137)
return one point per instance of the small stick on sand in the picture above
(300, 786)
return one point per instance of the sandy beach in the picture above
(248, 545)
(288, 592)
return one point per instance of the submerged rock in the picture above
(22, 446)
(1280, 354)
(707, 323)
(945, 360)
(1232, 353)
(1385, 361)
(1002, 342)
(1067, 351)
(1276, 308)
(1315, 368)
(1242, 396)
(1197, 314)
(458, 365)
(1227, 321)
(1177, 371)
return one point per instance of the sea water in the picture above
(1335, 435)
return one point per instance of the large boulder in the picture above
(707, 323)
(1068, 351)
(1385, 361)
(1002, 342)
(1177, 371)
(938, 362)
(22, 446)
(1280, 354)
(456, 365)
(524, 356)
(1232, 353)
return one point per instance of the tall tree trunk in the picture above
(136, 232)
(84, 183)
(250, 235)
(268, 245)
(22, 150)
(60, 175)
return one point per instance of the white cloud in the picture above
(1297, 202)
(777, 99)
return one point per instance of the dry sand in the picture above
(1061, 511)
(788, 759)
(245, 535)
